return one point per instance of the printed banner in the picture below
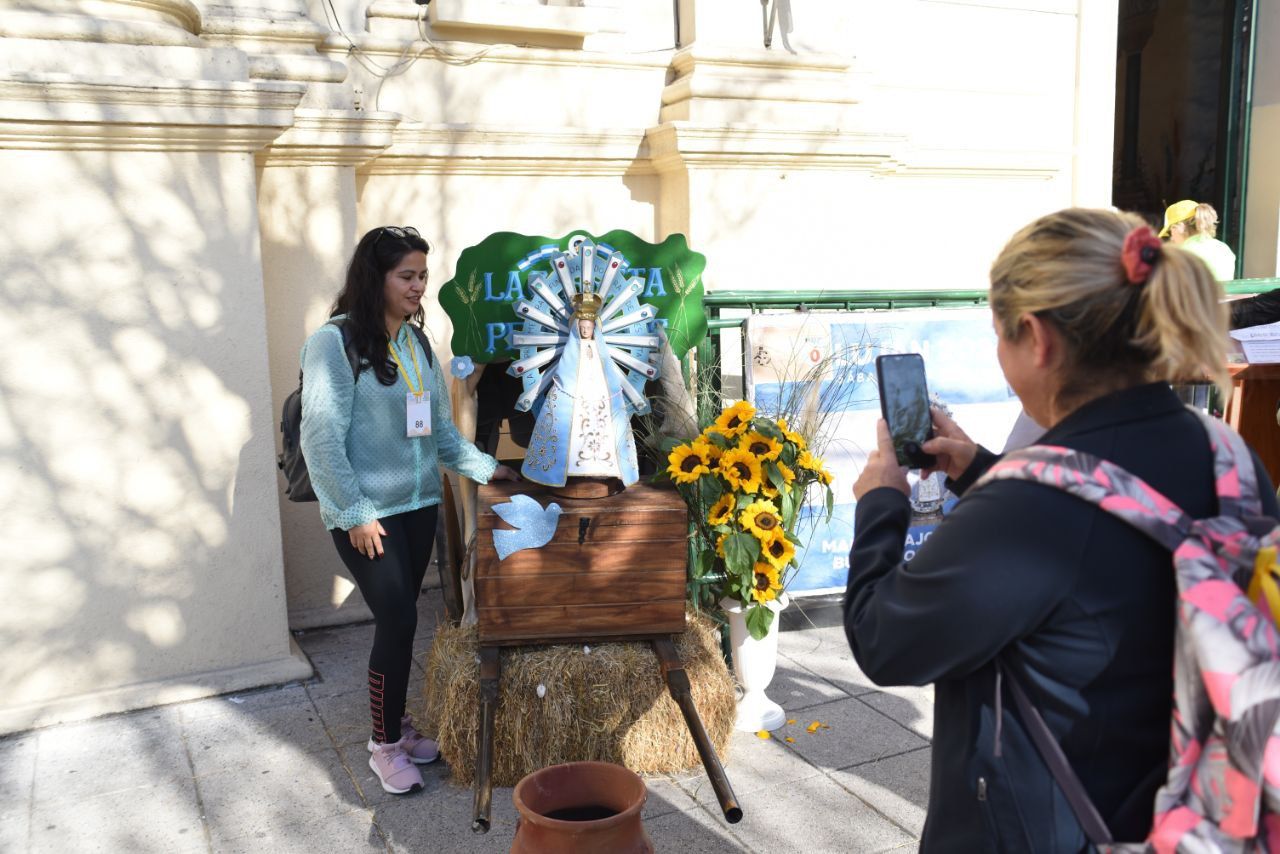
(824, 365)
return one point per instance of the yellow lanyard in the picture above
(413, 354)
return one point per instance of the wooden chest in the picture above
(614, 568)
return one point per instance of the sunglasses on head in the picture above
(397, 231)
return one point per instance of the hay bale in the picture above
(609, 705)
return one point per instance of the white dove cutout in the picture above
(534, 525)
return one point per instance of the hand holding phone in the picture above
(904, 403)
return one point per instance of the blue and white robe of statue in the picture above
(583, 428)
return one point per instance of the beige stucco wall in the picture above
(189, 188)
(1262, 216)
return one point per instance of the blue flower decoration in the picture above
(462, 367)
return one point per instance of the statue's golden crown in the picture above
(586, 306)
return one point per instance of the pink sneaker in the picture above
(420, 749)
(395, 770)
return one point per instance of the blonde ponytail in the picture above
(1184, 320)
(1067, 268)
(1205, 220)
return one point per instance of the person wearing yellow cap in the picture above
(1192, 226)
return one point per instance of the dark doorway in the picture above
(1182, 81)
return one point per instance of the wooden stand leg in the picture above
(490, 673)
(678, 684)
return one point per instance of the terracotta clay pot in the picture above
(583, 807)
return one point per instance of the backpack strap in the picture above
(1091, 821)
(1099, 482)
(353, 356)
(1234, 472)
(422, 339)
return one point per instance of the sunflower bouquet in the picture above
(745, 478)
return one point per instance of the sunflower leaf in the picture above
(775, 476)
(709, 489)
(759, 619)
(788, 509)
(831, 503)
(669, 444)
(741, 551)
(766, 427)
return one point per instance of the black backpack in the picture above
(290, 460)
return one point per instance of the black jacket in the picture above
(1255, 310)
(1079, 604)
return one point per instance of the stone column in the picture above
(144, 561)
(1262, 218)
(307, 204)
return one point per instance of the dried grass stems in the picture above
(610, 705)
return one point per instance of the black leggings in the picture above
(390, 586)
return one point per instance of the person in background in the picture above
(373, 443)
(1193, 226)
(1094, 316)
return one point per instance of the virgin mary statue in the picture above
(584, 426)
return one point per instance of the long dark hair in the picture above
(361, 298)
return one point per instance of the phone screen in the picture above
(904, 403)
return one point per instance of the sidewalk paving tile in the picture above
(84, 760)
(795, 688)
(824, 654)
(243, 703)
(162, 819)
(346, 716)
(910, 706)
(440, 822)
(17, 773)
(222, 742)
(898, 787)
(15, 829)
(346, 833)
(854, 733)
(697, 831)
(752, 765)
(261, 797)
(337, 639)
(663, 796)
(815, 816)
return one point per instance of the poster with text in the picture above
(822, 367)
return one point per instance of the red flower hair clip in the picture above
(1140, 253)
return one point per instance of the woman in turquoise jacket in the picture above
(373, 439)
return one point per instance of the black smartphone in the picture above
(904, 403)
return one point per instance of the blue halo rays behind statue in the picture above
(585, 346)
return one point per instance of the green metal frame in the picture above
(756, 302)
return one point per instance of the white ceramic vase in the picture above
(753, 664)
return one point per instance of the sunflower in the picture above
(791, 435)
(777, 549)
(720, 543)
(760, 446)
(768, 490)
(721, 513)
(709, 450)
(687, 463)
(740, 470)
(788, 476)
(824, 476)
(735, 420)
(764, 583)
(760, 518)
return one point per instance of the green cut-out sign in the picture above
(488, 281)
